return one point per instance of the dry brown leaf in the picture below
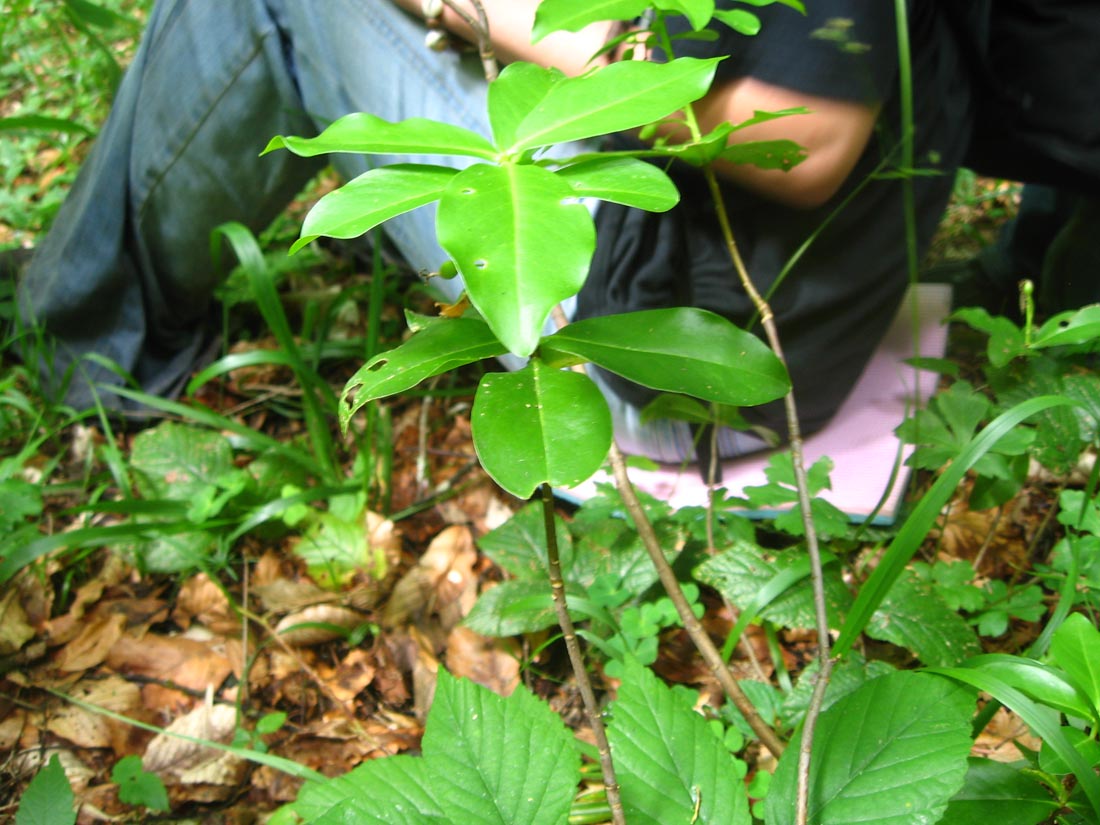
(92, 646)
(171, 659)
(443, 582)
(283, 595)
(210, 774)
(998, 740)
(87, 728)
(294, 629)
(491, 663)
(201, 600)
(352, 676)
(15, 628)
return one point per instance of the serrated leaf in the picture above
(914, 616)
(508, 761)
(441, 345)
(615, 98)
(683, 350)
(745, 571)
(48, 799)
(668, 760)
(1076, 649)
(513, 95)
(487, 760)
(371, 135)
(996, 792)
(628, 181)
(893, 753)
(847, 676)
(521, 243)
(373, 198)
(540, 426)
(574, 15)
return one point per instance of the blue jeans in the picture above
(125, 272)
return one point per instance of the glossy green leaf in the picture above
(513, 95)
(683, 350)
(698, 12)
(518, 546)
(1000, 793)
(513, 608)
(893, 752)
(741, 21)
(373, 198)
(521, 243)
(671, 766)
(540, 426)
(628, 181)
(443, 344)
(1089, 749)
(613, 99)
(574, 15)
(1076, 649)
(1041, 682)
(371, 135)
(1077, 327)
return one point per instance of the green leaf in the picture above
(1076, 649)
(513, 608)
(996, 792)
(519, 545)
(334, 550)
(668, 760)
(915, 617)
(682, 350)
(698, 12)
(507, 761)
(513, 95)
(920, 520)
(95, 14)
(892, 752)
(741, 21)
(180, 462)
(765, 154)
(614, 98)
(1006, 340)
(745, 573)
(540, 426)
(48, 799)
(574, 15)
(19, 499)
(137, 786)
(487, 760)
(628, 181)
(370, 135)
(1075, 327)
(441, 344)
(521, 242)
(1051, 762)
(43, 123)
(372, 198)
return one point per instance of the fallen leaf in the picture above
(491, 663)
(317, 625)
(15, 628)
(92, 646)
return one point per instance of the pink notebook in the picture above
(860, 439)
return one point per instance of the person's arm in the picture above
(834, 134)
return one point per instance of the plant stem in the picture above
(695, 631)
(480, 25)
(592, 710)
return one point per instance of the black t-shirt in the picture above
(839, 298)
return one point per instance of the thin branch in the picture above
(479, 23)
(707, 649)
(576, 658)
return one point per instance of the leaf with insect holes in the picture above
(521, 243)
(540, 426)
